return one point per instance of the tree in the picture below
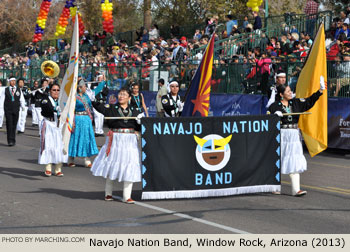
(147, 17)
(18, 19)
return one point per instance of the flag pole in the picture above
(119, 118)
(298, 113)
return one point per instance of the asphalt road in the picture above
(33, 203)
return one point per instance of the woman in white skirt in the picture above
(51, 144)
(292, 157)
(119, 158)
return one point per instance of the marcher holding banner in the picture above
(119, 157)
(51, 143)
(82, 141)
(292, 158)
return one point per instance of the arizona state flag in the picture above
(314, 126)
(198, 95)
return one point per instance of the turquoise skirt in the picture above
(82, 141)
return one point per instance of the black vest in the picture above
(12, 105)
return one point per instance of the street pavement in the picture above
(32, 203)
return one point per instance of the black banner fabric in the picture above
(210, 156)
(339, 123)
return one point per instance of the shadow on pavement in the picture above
(99, 195)
(21, 173)
(32, 161)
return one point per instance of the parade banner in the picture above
(210, 156)
(220, 104)
(237, 104)
(339, 123)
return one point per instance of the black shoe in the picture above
(12, 144)
(20, 132)
(99, 135)
(34, 125)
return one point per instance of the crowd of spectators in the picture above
(247, 54)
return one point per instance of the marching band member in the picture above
(23, 113)
(137, 99)
(82, 141)
(292, 158)
(35, 120)
(98, 117)
(14, 100)
(2, 99)
(162, 91)
(40, 94)
(171, 102)
(51, 142)
(119, 158)
(280, 80)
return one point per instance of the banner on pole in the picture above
(210, 156)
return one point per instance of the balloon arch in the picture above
(70, 10)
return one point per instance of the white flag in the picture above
(69, 89)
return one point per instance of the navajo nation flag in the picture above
(314, 126)
(69, 89)
(198, 96)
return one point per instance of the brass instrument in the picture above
(50, 69)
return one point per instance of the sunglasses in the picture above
(55, 90)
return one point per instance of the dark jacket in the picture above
(170, 105)
(27, 94)
(47, 109)
(12, 105)
(257, 23)
(40, 95)
(296, 105)
(111, 110)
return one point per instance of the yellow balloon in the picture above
(256, 8)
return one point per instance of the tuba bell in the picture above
(50, 69)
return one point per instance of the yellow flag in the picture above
(314, 127)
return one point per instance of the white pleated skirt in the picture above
(123, 162)
(292, 157)
(53, 151)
